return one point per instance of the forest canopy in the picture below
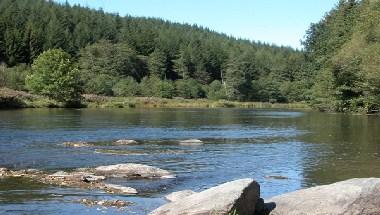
(337, 70)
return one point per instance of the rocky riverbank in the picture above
(240, 197)
(351, 197)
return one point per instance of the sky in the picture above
(281, 22)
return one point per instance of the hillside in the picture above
(343, 51)
(129, 56)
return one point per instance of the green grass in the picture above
(18, 99)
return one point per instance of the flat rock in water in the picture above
(355, 196)
(78, 144)
(133, 171)
(105, 203)
(192, 142)
(172, 197)
(120, 189)
(236, 197)
(126, 142)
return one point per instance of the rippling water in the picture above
(306, 147)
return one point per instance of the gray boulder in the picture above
(355, 196)
(172, 197)
(236, 197)
(133, 171)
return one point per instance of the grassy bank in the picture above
(18, 99)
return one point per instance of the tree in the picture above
(55, 76)
(237, 81)
(157, 64)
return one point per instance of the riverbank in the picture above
(18, 99)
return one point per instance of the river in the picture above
(308, 148)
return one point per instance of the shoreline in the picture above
(12, 99)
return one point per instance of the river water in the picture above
(308, 148)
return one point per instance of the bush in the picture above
(100, 85)
(149, 86)
(54, 75)
(126, 87)
(215, 91)
(166, 89)
(189, 89)
(14, 78)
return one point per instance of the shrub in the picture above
(189, 89)
(126, 87)
(55, 76)
(215, 91)
(100, 85)
(14, 78)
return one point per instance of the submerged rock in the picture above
(78, 144)
(277, 177)
(236, 197)
(120, 189)
(355, 196)
(105, 203)
(126, 142)
(192, 142)
(179, 195)
(133, 171)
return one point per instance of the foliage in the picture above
(216, 91)
(54, 75)
(343, 51)
(126, 87)
(154, 52)
(166, 89)
(100, 85)
(14, 77)
(189, 89)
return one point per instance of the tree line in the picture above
(129, 56)
(342, 53)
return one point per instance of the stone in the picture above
(4, 171)
(59, 175)
(192, 142)
(126, 142)
(92, 178)
(236, 197)
(105, 203)
(355, 196)
(79, 144)
(133, 171)
(179, 195)
(120, 189)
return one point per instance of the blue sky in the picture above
(282, 22)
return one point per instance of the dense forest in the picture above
(128, 56)
(132, 56)
(342, 51)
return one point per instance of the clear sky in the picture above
(282, 22)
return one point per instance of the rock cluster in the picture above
(105, 203)
(92, 178)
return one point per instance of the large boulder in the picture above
(355, 196)
(236, 197)
(172, 197)
(133, 171)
